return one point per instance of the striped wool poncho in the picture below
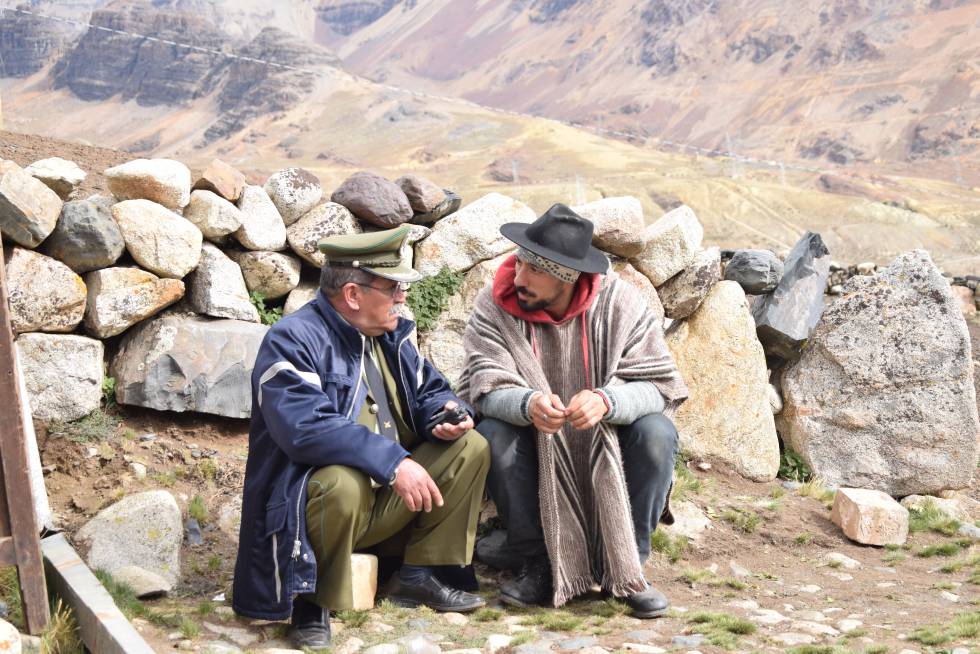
(585, 509)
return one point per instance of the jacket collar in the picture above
(349, 334)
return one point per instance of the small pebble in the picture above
(949, 597)
(694, 640)
(147, 437)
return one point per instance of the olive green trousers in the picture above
(345, 514)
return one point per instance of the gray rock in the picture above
(384, 648)
(9, 638)
(44, 294)
(970, 531)
(158, 239)
(294, 191)
(618, 224)
(785, 318)
(215, 216)
(29, 210)
(888, 362)
(219, 647)
(578, 643)
(164, 181)
(694, 640)
(448, 206)
(756, 271)
(671, 244)
(59, 175)
(193, 532)
(230, 518)
(273, 274)
(374, 199)
(424, 196)
(182, 363)
(471, 235)
(118, 298)
(642, 636)
(63, 374)
(142, 530)
(328, 219)
(418, 644)
(262, 226)
(217, 288)
(689, 521)
(143, 582)
(240, 636)
(86, 237)
(628, 273)
(683, 293)
(493, 550)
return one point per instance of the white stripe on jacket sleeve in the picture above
(278, 367)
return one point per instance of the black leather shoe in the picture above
(650, 603)
(532, 585)
(435, 595)
(315, 635)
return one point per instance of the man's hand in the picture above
(416, 488)
(586, 409)
(447, 431)
(547, 412)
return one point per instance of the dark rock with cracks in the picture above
(683, 293)
(86, 237)
(785, 317)
(756, 271)
(448, 206)
(374, 200)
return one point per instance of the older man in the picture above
(348, 448)
(569, 367)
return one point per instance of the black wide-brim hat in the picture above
(562, 236)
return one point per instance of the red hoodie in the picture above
(505, 296)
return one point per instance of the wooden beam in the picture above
(103, 627)
(18, 498)
(7, 555)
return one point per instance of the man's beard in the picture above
(530, 305)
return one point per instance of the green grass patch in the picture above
(61, 635)
(10, 595)
(803, 539)
(553, 620)
(931, 518)
(815, 488)
(198, 510)
(963, 625)
(685, 483)
(742, 519)
(671, 547)
(189, 629)
(109, 391)
(268, 315)
(721, 629)
(939, 549)
(793, 467)
(96, 427)
(488, 615)
(204, 608)
(877, 649)
(353, 619)
(893, 557)
(777, 492)
(428, 298)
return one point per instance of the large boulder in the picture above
(185, 363)
(683, 293)
(142, 530)
(222, 179)
(262, 227)
(63, 374)
(215, 216)
(217, 288)
(164, 181)
(756, 271)
(157, 238)
(618, 224)
(374, 199)
(86, 237)
(443, 344)
(59, 175)
(294, 191)
(785, 317)
(882, 396)
(471, 235)
(628, 273)
(29, 210)
(273, 274)
(118, 298)
(45, 295)
(423, 195)
(671, 244)
(727, 415)
(299, 297)
(327, 219)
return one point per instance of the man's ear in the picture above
(351, 293)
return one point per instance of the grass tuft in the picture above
(803, 539)
(353, 619)
(685, 483)
(61, 634)
(742, 519)
(553, 620)
(931, 518)
(816, 489)
(670, 547)
(198, 510)
(96, 427)
(940, 549)
(963, 625)
(721, 629)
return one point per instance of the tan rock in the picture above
(870, 517)
(45, 294)
(299, 296)
(59, 175)
(157, 238)
(214, 216)
(273, 274)
(222, 179)
(966, 300)
(618, 224)
(727, 415)
(671, 244)
(29, 210)
(164, 181)
(364, 580)
(327, 219)
(118, 298)
(262, 226)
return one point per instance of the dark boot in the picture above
(434, 594)
(532, 585)
(310, 625)
(650, 603)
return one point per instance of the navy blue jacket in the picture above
(307, 392)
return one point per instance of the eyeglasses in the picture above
(391, 290)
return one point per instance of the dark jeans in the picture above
(649, 446)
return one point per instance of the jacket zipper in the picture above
(275, 566)
(360, 376)
(297, 543)
(401, 373)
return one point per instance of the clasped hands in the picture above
(549, 414)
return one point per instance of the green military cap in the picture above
(384, 253)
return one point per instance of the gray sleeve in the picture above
(507, 404)
(631, 401)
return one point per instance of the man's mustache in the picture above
(522, 290)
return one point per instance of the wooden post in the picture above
(20, 542)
